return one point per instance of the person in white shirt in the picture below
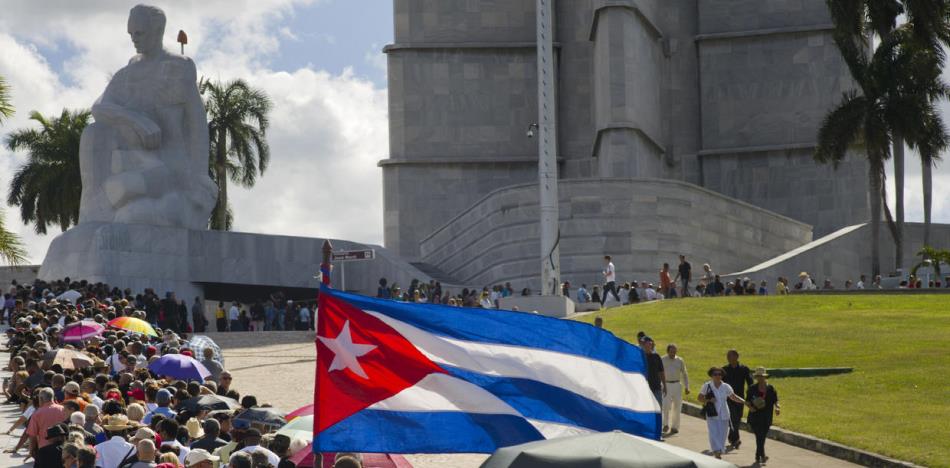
(677, 382)
(303, 317)
(861, 282)
(109, 454)
(650, 293)
(168, 430)
(718, 392)
(234, 317)
(610, 280)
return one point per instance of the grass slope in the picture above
(896, 402)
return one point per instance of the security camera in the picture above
(531, 129)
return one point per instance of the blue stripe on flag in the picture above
(540, 401)
(378, 431)
(508, 327)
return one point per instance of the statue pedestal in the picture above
(135, 256)
(552, 306)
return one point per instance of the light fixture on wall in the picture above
(531, 130)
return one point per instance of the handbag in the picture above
(709, 408)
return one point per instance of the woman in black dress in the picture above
(762, 401)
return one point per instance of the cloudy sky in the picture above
(320, 61)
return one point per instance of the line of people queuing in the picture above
(103, 408)
(273, 314)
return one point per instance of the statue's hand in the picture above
(149, 132)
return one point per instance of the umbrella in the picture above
(209, 403)
(180, 367)
(69, 296)
(265, 416)
(133, 325)
(67, 358)
(198, 343)
(78, 332)
(302, 411)
(299, 428)
(614, 449)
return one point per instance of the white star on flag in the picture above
(345, 351)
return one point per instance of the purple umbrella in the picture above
(180, 367)
(78, 332)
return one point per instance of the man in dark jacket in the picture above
(738, 376)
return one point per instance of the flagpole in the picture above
(547, 153)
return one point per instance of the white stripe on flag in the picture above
(589, 378)
(442, 392)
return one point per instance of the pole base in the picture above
(552, 306)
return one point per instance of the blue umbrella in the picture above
(180, 367)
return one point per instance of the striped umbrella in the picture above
(133, 325)
(78, 332)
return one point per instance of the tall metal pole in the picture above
(547, 153)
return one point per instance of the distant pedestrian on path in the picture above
(684, 275)
(762, 400)
(610, 280)
(221, 317)
(719, 393)
(738, 377)
(677, 381)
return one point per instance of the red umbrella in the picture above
(302, 411)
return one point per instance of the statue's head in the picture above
(146, 27)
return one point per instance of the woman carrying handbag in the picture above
(713, 396)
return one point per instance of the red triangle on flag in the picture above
(360, 361)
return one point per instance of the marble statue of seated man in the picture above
(145, 158)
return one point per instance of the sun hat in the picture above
(196, 456)
(760, 372)
(195, 431)
(118, 422)
(144, 433)
(804, 273)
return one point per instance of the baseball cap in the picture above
(197, 456)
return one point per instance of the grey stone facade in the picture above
(640, 222)
(724, 94)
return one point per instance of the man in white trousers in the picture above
(676, 383)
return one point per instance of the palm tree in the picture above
(897, 84)
(47, 187)
(6, 108)
(11, 248)
(237, 124)
(931, 257)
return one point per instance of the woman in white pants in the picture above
(717, 392)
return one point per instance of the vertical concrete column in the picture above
(628, 69)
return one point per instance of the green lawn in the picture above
(897, 400)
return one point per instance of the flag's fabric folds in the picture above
(419, 378)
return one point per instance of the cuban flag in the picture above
(399, 377)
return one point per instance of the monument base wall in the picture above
(641, 223)
(140, 256)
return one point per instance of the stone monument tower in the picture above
(723, 95)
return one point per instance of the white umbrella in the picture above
(70, 296)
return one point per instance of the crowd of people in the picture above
(276, 313)
(670, 284)
(96, 402)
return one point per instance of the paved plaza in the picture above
(278, 368)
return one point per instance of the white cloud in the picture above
(327, 131)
